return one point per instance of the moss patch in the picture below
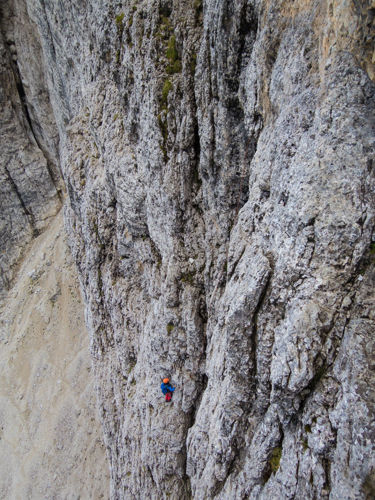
(119, 20)
(275, 459)
(197, 4)
(193, 64)
(170, 64)
(169, 328)
(188, 277)
(174, 63)
(164, 93)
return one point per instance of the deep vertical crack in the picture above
(254, 336)
(26, 113)
(27, 212)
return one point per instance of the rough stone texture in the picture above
(218, 160)
(29, 175)
(50, 435)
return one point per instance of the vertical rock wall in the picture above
(50, 437)
(29, 173)
(218, 160)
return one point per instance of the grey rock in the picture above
(30, 185)
(218, 162)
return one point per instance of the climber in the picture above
(167, 389)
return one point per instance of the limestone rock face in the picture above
(29, 174)
(218, 161)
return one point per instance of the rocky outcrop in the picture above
(218, 160)
(50, 436)
(29, 173)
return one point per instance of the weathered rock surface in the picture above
(218, 160)
(29, 174)
(50, 440)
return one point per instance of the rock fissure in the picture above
(23, 100)
(30, 216)
(254, 320)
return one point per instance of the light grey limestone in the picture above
(218, 161)
(29, 174)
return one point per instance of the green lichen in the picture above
(131, 367)
(275, 458)
(172, 53)
(169, 328)
(197, 4)
(174, 63)
(188, 277)
(305, 445)
(176, 67)
(307, 428)
(164, 93)
(119, 21)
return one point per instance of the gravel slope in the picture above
(50, 436)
